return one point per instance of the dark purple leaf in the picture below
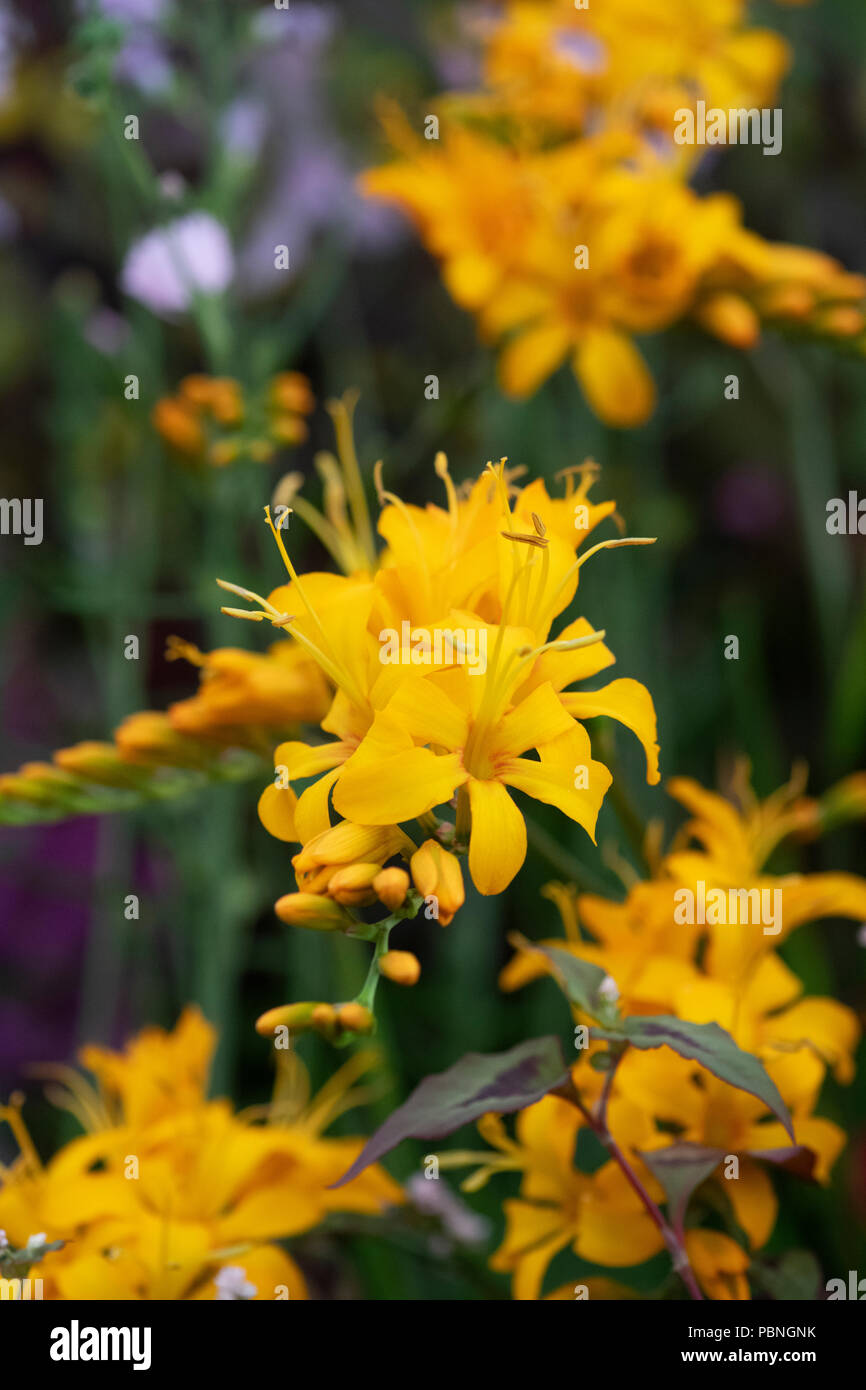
(478, 1083)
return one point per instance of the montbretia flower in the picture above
(407, 742)
(169, 1195)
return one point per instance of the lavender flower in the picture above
(171, 264)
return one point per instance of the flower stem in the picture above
(598, 1124)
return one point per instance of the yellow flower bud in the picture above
(401, 967)
(391, 887)
(298, 1017)
(356, 1018)
(348, 843)
(353, 885)
(730, 318)
(436, 874)
(99, 762)
(313, 911)
(148, 737)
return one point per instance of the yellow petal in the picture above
(564, 668)
(629, 702)
(277, 812)
(615, 379)
(389, 780)
(308, 759)
(564, 761)
(312, 815)
(531, 356)
(754, 1200)
(497, 844)
(537, 719)
(427, 713)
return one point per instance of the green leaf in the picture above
(795, 1278)
(713, 1048)
(479, 1083)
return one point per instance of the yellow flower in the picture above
(238, 689)
(168, 1189)
(406, 743)
(598, 1215)
(555, 197)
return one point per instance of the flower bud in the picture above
(436, 874)
(312, 911)
(294, 1016)
(391, 887)
(100, 763)
(401, 967)
(356, 1018)
(148, 737)
(353, 885)
(324, 1020)
(348, 843)
(730, 318)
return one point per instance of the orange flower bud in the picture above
(356, 1018)
(401, 967)
(842, 321)
(312, 911)
(291, 391)
(730, 318)
(391, 887)
(787, 302)
(436, 874)
(178, 425)
(324, 1020)
(226, 401)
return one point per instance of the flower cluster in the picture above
(169, 1195)
(451, 692)
(558, 204)
(210, 420)
(245, 701)
(719, 968)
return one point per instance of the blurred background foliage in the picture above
(266, 133)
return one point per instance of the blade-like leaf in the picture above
(797, 1159)
(714, 1049)
(478, 1083)
(680, 1169)
(579, 979)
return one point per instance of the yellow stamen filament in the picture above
(341, 413)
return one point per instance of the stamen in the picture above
(244, 613)
(178, 649)
(540, 540)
